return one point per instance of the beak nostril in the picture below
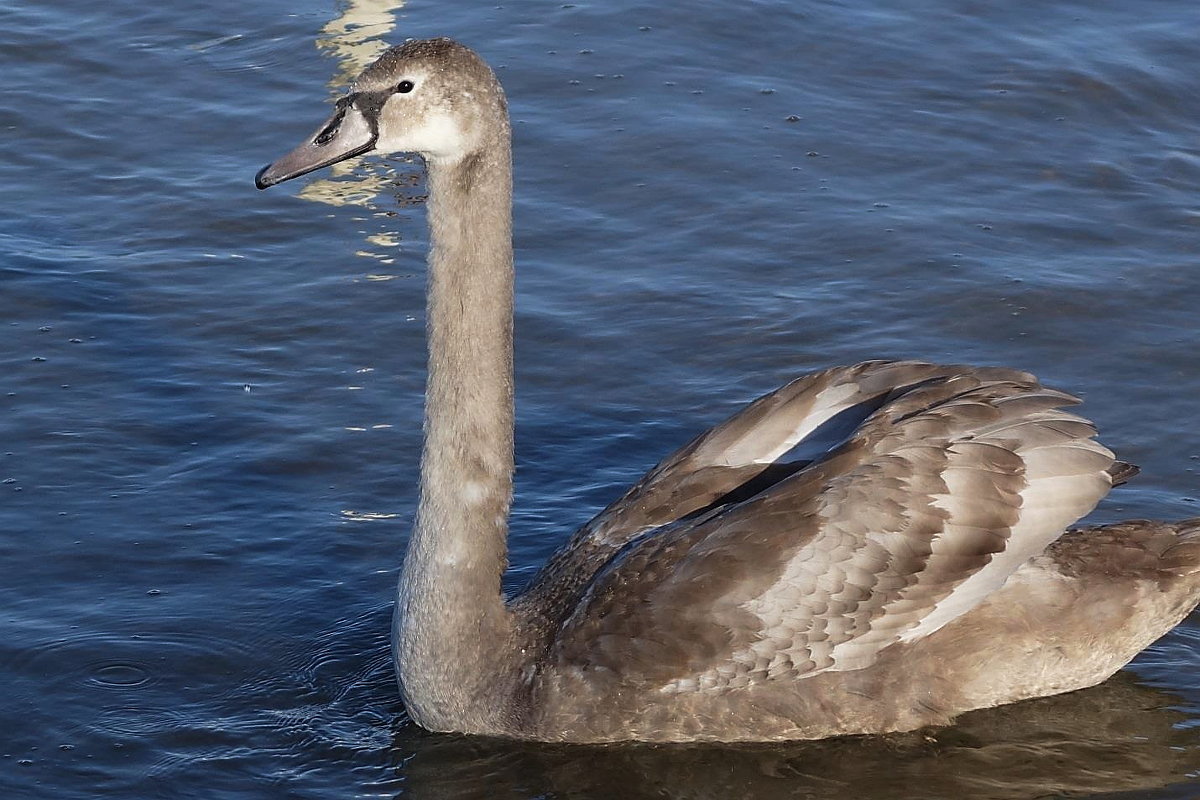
(330, 131)
(343, 136)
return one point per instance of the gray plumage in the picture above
(916, 568)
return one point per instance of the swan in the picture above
(921, 567)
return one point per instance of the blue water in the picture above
(210, 396)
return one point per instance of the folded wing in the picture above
(956, 479)
(739, 457)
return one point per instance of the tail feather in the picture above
(1183, 556)
(1121, 472)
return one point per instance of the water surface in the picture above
(210, 397)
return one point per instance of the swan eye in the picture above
(404, 87)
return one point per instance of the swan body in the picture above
(920, 568)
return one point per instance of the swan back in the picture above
(935, 500)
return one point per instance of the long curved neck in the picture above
(451, 622)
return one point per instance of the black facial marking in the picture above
(370, 105)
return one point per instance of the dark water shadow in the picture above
(1110, 740)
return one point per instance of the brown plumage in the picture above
(910, 565)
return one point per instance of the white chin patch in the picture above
(438, 139)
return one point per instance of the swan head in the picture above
(434, 97)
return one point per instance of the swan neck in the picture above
(451, 618)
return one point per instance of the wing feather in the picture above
(953, 482)
(730, 459)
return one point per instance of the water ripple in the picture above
(200, 524)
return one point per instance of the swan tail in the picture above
(1122, 472)
(1182, 557)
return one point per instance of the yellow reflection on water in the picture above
(365, 516)
(355, 39)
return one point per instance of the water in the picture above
(210, 396)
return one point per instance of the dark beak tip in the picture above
(261, 182)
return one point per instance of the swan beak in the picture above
(346, 134)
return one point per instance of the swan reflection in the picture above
(1117, 737)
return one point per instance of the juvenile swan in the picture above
(919, 569)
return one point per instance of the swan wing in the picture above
(733, 453)
(943, 492)
(737, 458)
